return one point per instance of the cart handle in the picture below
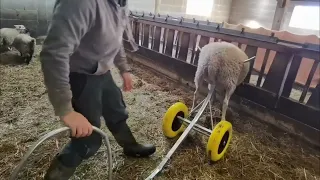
(54, 133)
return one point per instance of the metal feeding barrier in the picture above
(52, 134)
(175, 122)
(194, 25)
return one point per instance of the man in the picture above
(83, 40)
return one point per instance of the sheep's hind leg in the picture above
(28, 59)
(210, 86)
(198, 83)
(194, 98)
(226, 102)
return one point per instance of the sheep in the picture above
(7, 36)
(224, 66)
(25, 44)
(22, 29)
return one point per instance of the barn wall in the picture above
(287, 16)
(142, 5)
(260, 11)
(31, 13)
(177, 8)
(221, 10)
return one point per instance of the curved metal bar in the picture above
(194, 109)
(182, 137)
(52, 134)
(197, 127)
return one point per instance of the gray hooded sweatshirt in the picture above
(84, 36)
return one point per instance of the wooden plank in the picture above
(305, 114)
(203, 41)
(136, 32)
(250, 51)
(310, 77)
(177, 43)
(263, 67)
(256, 94)
(146, 28)
(193, 42)
(184, 46)
(276, 72)
(314, 99)
(284, 79)
(293, 71)
(157, 38)
(169, 42)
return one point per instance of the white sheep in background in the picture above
(22, 29)
(224, 66)
(25, 44)
(7, 36)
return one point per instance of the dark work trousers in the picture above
(93, 96)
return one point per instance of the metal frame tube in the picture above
(52, 134)
(200, 131)
(197, 127)
(194, 109)
(181, 138)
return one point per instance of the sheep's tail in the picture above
(249, 59)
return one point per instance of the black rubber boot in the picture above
(57, 171)
(126, 140)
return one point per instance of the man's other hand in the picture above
(79, 125)
(127, 81)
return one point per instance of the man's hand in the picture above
(127, 81)
(78, 124)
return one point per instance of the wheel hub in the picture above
(223, 142)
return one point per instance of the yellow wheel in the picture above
(171, 125)
(219, 140)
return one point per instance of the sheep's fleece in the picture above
(7, 36)
(223, 65)
(25, 44)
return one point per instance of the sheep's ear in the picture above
(27, 30)
(32, 42)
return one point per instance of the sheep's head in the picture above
(22, 29)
